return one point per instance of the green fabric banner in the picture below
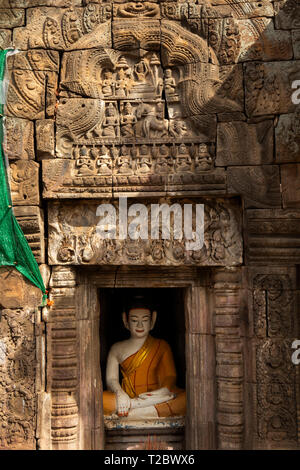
(14, 249)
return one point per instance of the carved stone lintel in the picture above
(80, 242)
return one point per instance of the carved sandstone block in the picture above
(240, 143)
(31, 220)
(269, 87)
(290, 178)
(10, 18)
(271, 289)
(31, 94)
(94, 178)
(38, 3)
(24, 183)
(287, 14)
(5, 38)
(44, 129)
(74, 240)
(136, 11)
(65, 29)
(18, 139)
(287, 136)
(296, 43)
(16, 290)
(260, 41)
(37, 60)
(273, 236)
(17, 379)
(258, 185)
(128, 33)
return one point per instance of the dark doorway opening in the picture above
(170, 325)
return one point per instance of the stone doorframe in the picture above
(214, 359)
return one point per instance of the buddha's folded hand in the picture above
(123, 403)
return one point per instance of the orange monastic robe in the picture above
(150, 368)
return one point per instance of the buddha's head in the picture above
(139, 320)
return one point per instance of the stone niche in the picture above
(199, 300)
(160, 102)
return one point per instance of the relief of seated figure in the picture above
(148, 388)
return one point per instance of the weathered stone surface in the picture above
(128, 34)
(31, 94)
(244, 40)
(290, 179)
(265, 303)
(287, 14)
(10, 18)
(260, 41)
(37, 60)
(79, 242)
(61, 29)
(37, 3)
(17, 379)
(44, 129)
(273, 236)
(143, 88)
(18, 139)
(296, 43)
(274, 366)
(269, 87)
(99, 177)
(24, 183)
(31, 220)
(287, 136)
(240, 143)
(244, 9)
(17, 291)
(5, 38)
(258, 185)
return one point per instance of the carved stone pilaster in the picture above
(273, 327)
(62, 373)
(200, 364)
(229, 359)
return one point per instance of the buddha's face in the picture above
(139, 322)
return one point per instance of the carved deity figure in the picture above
(104, 162)
(183, 159)
(203, 160)
(84, 163)
(164, 162)
(111, 122)
(124, 163)
(152, 123)
(108, 84)
(141, 69)
(148, 388)
(128, 119)
(169, 82)
(144, 160)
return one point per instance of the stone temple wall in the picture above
(165, 100)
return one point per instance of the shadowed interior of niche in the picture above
(170, 324)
